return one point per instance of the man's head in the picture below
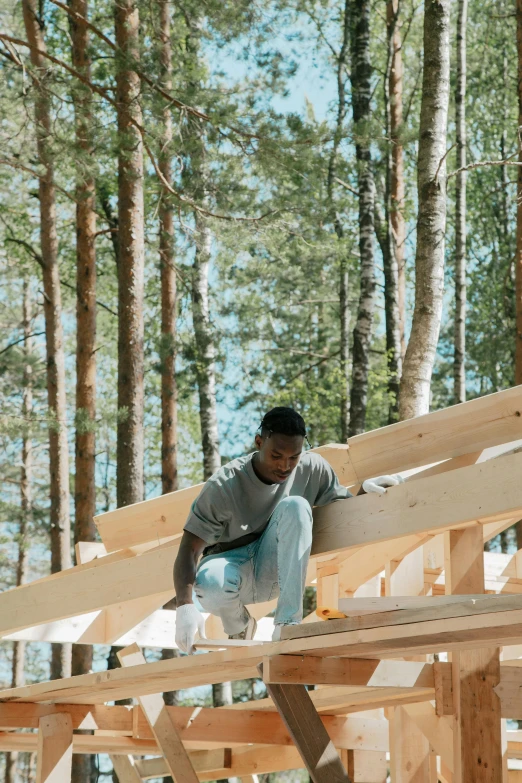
(280, 443)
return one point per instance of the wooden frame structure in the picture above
(417, 680)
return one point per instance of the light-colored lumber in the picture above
(409, 638)
(203, 761)
(55, 749)
(365, 766)
(308, 733)
(437, 730)
(409, 751)
(308, 670)
(125, 769)
(470, 426)
(241, 762)
(96, 585)
(232, 727)
(424, 506)
(471, 605)
(477, 726)
(483, 492)
(389, 603)
(163, 727)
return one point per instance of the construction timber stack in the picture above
(418, 679)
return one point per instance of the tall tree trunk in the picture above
(459, 362)
(394, 183)
(205, 349)
(84, 482)
(129, 487)
(396, 174)
(26, 506)
(344, 311)
(518, 262)
(58, 446)
(431, 221)
(361, 98)
(130, 260)
(169, 392)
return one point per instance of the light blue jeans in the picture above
(274, 565)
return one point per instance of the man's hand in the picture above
(189, 621)
(379, 484)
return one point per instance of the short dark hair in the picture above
(282, 421)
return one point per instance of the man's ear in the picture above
(258, 441)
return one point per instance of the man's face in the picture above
(278, 456)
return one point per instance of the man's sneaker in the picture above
(249, 632)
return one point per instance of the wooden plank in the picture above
(310, 737)
(483, 492)
(390, 603)
(88, 588)
(308, 670)
(433, 610)
(411, 638)
(444, 697)
(158, 519)
(125, 769)
(55, 749)
(85, 744)
(364, 766)
(470, 426)
(477, 735)
(203, 761)
(409, 750)
(163, 727)
(117, 719)
(437, 730)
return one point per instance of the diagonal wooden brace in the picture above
(308, 733)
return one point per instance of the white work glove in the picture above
(189, 620)
(380, 483)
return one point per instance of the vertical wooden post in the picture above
(409, 748)
(365, 766)
(125, 769)
(54, 760)
(477, 738)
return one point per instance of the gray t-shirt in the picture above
(235, 506)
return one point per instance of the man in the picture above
(252, 522)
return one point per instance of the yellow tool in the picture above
(327, 613)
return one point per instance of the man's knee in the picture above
(216, 582)
(297, 508)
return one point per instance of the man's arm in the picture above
(185, 566)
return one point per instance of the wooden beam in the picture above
(309, 670)
(484, 492)
(470, 426)
(364, 766)
(477, 734)
(409, 751)
(308, 733)
(163, 727)
(93, 586)
(202, 761)
(125, 769)
(437, 730)
(55, 749)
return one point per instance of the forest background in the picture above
(207, 209)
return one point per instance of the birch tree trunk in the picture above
(169, 392)
(205, 349)
(361, 97)
(129, 487)
(84, 482)
(459, 361)
(431, 221)
(518, 261)
(344, 312)
(58, 446)
(393, 220)
(396, 175)
(26, 505)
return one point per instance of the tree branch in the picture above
(483, 163)
(20, 340)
